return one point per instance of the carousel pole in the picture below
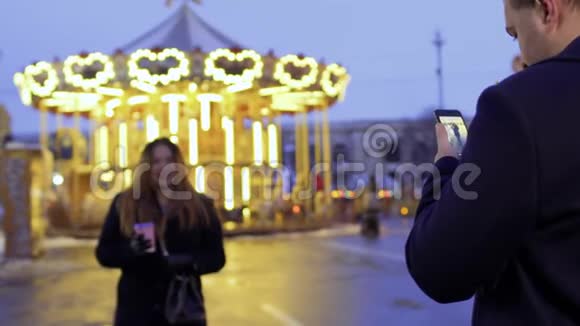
(270, 143)
(317, 137)
(77, 127)
(298, 151)
(58, 121)
(91, 139)
(45, 150)
(307, 185)
(278, 123)
(230, 173)
(326, 156)
(43, 140)
(318, 203)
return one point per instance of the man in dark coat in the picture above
(505, 226)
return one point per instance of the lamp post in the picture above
(439, 43)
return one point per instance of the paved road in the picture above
(326, 278)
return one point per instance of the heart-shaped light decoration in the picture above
(284, 75)
(145, 75)
(44, 70)
(334, 80)
(24, 90)
(100, 65)
(248, 73)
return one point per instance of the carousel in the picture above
(223, 104)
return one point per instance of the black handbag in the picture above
(183, 303)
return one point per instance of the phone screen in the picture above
(456, 131)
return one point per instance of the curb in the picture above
(249, 231)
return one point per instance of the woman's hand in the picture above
(180, 264)
(140, 245)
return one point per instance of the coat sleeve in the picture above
(462, 241)
(113, 249)
(212, 257)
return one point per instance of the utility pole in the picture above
(439, 43)
(169, 3)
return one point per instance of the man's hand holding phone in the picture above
(451, 132)
(444, 147)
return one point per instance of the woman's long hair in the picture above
(139, 203)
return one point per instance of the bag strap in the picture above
(163, 247)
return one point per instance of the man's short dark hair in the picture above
(519, 4)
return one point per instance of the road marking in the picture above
(367, 252)
(281, 316)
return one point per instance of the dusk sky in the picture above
(386, 45)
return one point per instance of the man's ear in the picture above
(550, 10)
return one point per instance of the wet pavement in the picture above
(323, 278)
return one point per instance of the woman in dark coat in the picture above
(185, 221)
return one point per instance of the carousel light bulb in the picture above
(108, 176)
(193, 87)
(286, 78)
(246, 186)
(113, 104)
(258, 145)
(331, 88)
(123, 147)
(127, 177)
(193, 142)
(205, 116)
(54, 102)
(273, 145)
(138, 99)
(152, 128)
(109, 113)
(48, 86)
(200, 179)
(174, 74)
(274, 90)
(168, 98)
(229, 188)
(108, 91)
(205, 101)
(220, 74)
(57, 179)
(103, 141)
(102, 77)
(173, 117)
(240, 87)
(144, 87)
(228, 125)
(25, 93)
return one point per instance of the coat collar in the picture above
(570, 53)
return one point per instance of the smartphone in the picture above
(148, 232)
(455, 126)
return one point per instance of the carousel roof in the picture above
(184, 30)
(183, 55)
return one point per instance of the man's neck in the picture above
(570, 31)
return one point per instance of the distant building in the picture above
(383, 144)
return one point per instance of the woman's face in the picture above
(161, 158)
